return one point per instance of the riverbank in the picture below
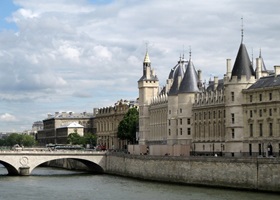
(261, 174)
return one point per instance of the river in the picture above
(58, 184)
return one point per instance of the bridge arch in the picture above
(10, 168)
(91, 166)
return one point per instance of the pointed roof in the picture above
(178, 72)
(190, 80)
(263, 69)
(147, 58)
(242, 65)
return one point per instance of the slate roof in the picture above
(242, 65)
(267, 81)
(178, 72)
(219, 87)
(190, 80)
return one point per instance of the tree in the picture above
(90, 139)
(75, 138)
(128, 126)
(22, 140)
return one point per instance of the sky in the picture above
(69, 55)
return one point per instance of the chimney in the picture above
(199, 75)
(228, 68)
(258, 68)
(277, 70)
(215, 82)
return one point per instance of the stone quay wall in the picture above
(243, 173)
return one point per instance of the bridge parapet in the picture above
(23, 162)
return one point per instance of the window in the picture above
(189, 131)
(261, 130)
(181, 121)
(260, 112)
(181, 110)
(260, 97)
(169, 112)
(176, 131)
(232, 118)
(270, 112)
(251, 130)
(169, 122)
(232, 96)
(181, 131)
(251, 113)
(189, 121)
(232, 133)
(169, 131)
(270, 129)
(251, 98)
(214, 114)
(270, 96)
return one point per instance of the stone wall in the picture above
(256, 173)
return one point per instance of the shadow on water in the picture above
(49, 171)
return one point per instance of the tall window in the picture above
(169, 122)
(260, 97)
(232, 96)
(181, 131)
(251, 113)
(181, 121)
(232, 133)
(251, 98)
(232, 118)
(270, 111)
(261, 130)
(169, 131)
(251, 130)
(189, 121)
(270, 129)
(260, 111)
(189, 131)
(270, 96)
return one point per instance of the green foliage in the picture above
(20, 139)
(75, 138)
(128, 126)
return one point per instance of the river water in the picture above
(57, 184)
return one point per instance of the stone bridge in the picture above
(23, 162)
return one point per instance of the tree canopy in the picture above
(75, 138)
(20, 139)
(128, 126)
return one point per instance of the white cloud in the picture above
(7, 117)
(67, 54)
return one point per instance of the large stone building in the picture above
(58, 126)
(237, 115)
(106, 123)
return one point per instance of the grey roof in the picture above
(242, 65)
(178, 72)
(267, 81)
(152, 78)
(190, 81)
(219, 87)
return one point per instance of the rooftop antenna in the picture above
(242, 30)
(147, 46)
(190, 52)
(183, 52)
(260, 55)
(252, 57)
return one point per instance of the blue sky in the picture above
(69, 55)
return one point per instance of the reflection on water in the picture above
(50, 183)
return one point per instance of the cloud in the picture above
(67, 54)
(7, 117)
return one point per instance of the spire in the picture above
(190, 81)
(242, 30)
(242, 65)
(147, 58)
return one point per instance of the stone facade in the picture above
(224, 117)
(56, 127)
(106, 123)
